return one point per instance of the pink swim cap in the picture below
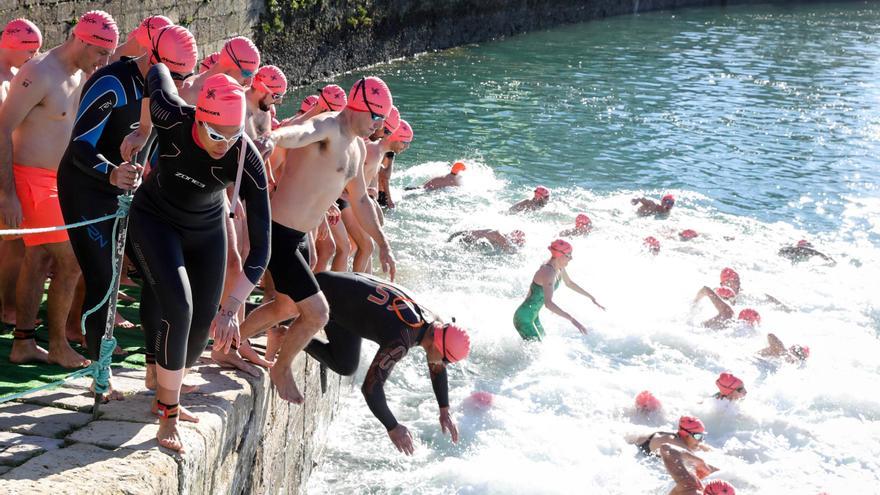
(271, 80)
(646, 402)
(667, 200)
(146, 32)
(718, 487)
(221, 101)
(241, 53)
(541, 192)
(404, 133)
(482, 399)
(518, 237)
(208, 62)
(750, 316)
(725, 293)
(21, 34)
(308, 103)
(392, 121)
(560, 247)
(727, 383)
(333, 98)
(370, 94)
(175, 47)
(97, 28)
(452, 341)
(687, 234)
(652, 244)
(729, 274)
(688, 425)
(804, 243)
(582, 221)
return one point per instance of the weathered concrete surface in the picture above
(247, 439)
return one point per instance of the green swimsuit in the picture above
(525, 319)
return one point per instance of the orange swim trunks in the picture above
(37, 190)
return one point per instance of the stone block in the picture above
(15, 448)
(32, 419)
(117, 434)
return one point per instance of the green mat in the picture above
(20, 377)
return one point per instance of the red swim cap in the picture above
(667, 200)
(804, 243)
(392, 121)
(271, 80)
(729, 274)
(725, 293)
(688, 425)
(727, 383)
(541, 192)
(687, 234)
(404, 133)
(175, 47)
(333, 98)
(582, 220)
(241, 53)
(147, 30)
(208, 62)
(370, 94)
(221, 101)
(646, 402)
(21, 34)
(560, 247)
(750, 316)
(97, 28)
(458, 167)
(518, 237)
(801, 351)
(718, 487)
(452, 341)
(652, 244)
(308, 103)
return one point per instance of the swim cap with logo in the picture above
(392, 121)
(240, 53)
(221, 101)
(452, 341)
(175, 47)
(208, 62)
(147, 30)
(404, 133)
(308, 103)
(370, 94)
(582, 221)
(727, 383)
(559, 247)
(688, 425)
(518, 237)
(541, 192)
(271, 80)
(332, 98)
(725, 293)
(750, 316)
(21, 34)
(97, 28)
(457, 167)
(718, 487)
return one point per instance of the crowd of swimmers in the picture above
(227, 198)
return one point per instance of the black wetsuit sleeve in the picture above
(440, 384)
(255, 195)
(95, 107)
(374, 383)
(166, 106)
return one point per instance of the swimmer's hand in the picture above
(127, 176)
(582, 329)
(333, 214)
(402, 439)
(597, 304)
(634, 201)
(387, 259)
(224, 330)
(10, 211)
(132, 144)
(447, 425)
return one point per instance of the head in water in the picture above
(730, 278)
(667, 202)
(542, 195)
(691, 430)
(730, 387)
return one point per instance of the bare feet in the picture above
(274, 336)
(184, 414)
(66, 357)
(282, 379)
(121, 322)
(169, 436)
(234, 360)
(27, 351)
(252, 355)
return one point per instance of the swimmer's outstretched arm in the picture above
(577, 288)
(545, 278)
(299, 135)
(440, 384)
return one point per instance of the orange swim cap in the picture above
(97, 28)
(457, 167)
(21, 34)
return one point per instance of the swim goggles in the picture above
(216, 136)
(363, 84)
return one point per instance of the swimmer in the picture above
(647, 207)
(730, 387)
(730, 278)
(690, 435)
(651, 245)
(365, 307)
(582, 226)
(508, 243)
(307, 104)
(36, 122)
(538, 201)
(452, 179)
(803, 251)
(687, 235)
(796, 354)
(646, 403)
(545, 281)
(208, 62)
(140, 40)
(392, 122)
(680, 461)
(387, 168)
(268, 89)
(721, 298)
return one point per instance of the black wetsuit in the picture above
(645, 447)
(362, 307)
(178, 228)
(109, 109)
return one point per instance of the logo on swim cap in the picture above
(21, 34)
(91, 29)
(560, 247)
(370, 94)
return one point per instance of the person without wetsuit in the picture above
(690, 435)
(365, 307)
(92, 172)
(178, 233)
(679, 462)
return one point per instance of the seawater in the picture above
(764, 123)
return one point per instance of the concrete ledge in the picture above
(247, 439)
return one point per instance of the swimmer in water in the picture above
(679, 462)
(582, 226)
(545, 281)
(452, 179)
(721, 298)
(730, 387)
(796, 354)
(648, 207)
(690, 435)
(538, 201)
(507, 243)
(803, 251)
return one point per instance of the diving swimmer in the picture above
(538, 201)
(508, 243)
(648, 207)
